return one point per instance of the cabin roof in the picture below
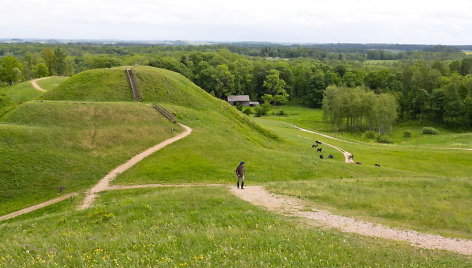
(238, 98)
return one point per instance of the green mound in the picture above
(49, 144)
(155, 85)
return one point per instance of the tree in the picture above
(172, 64)
(10, 70)
(273, 83)
(359, 108)
(224, 81)
(385, 111)
(318, 84)
(276, 86)
(59, 61)
(40, 70)
(422, 101)
(281, 97)
(49, 59)
(267, 98)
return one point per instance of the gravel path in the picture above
(104, 183)
(36, 207)
(257, 195)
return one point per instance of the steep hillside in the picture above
(45, 145)
(155, 85)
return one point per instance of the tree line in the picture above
(428, 90)
(359, 108)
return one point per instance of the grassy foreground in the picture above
(197, 227)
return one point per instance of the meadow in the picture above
(80, 130)
(310, 118)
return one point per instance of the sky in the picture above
(298, 21)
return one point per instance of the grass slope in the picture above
(199, 228)
(49, 144)
(21, 92)
(24, 91)
(52, 82)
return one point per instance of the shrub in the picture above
(281, 113)
(430, 131)
(384, 139)
(239, 107)
(407, 134)
(247, 111)
(263, 109)
(369, 135)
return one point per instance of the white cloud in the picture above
(401, 21)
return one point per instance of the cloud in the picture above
(401, 21)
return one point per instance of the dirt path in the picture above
(347, 155)
(36, 207)
(104, 183)
(125, 187)
(258, 196)
(35, 84)
(319, 134)
(334, 138)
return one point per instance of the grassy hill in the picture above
(24, 91)
(49, 144)
(89, 124)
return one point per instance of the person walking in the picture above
(240, 174)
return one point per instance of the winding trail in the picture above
(347, 155)
(289, 206)
(318, 133)
(37, 206)
(104, 183)
(35, 84)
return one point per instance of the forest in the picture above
(433, 84)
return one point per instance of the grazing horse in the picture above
(314, 146)
(318, 142)
(377, 165)
(321, 156)
(319, 149)
(330, 156)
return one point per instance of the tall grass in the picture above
(198, 227)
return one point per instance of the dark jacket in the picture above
(240, 171)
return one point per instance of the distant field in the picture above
(468, 52)
(313, 119)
